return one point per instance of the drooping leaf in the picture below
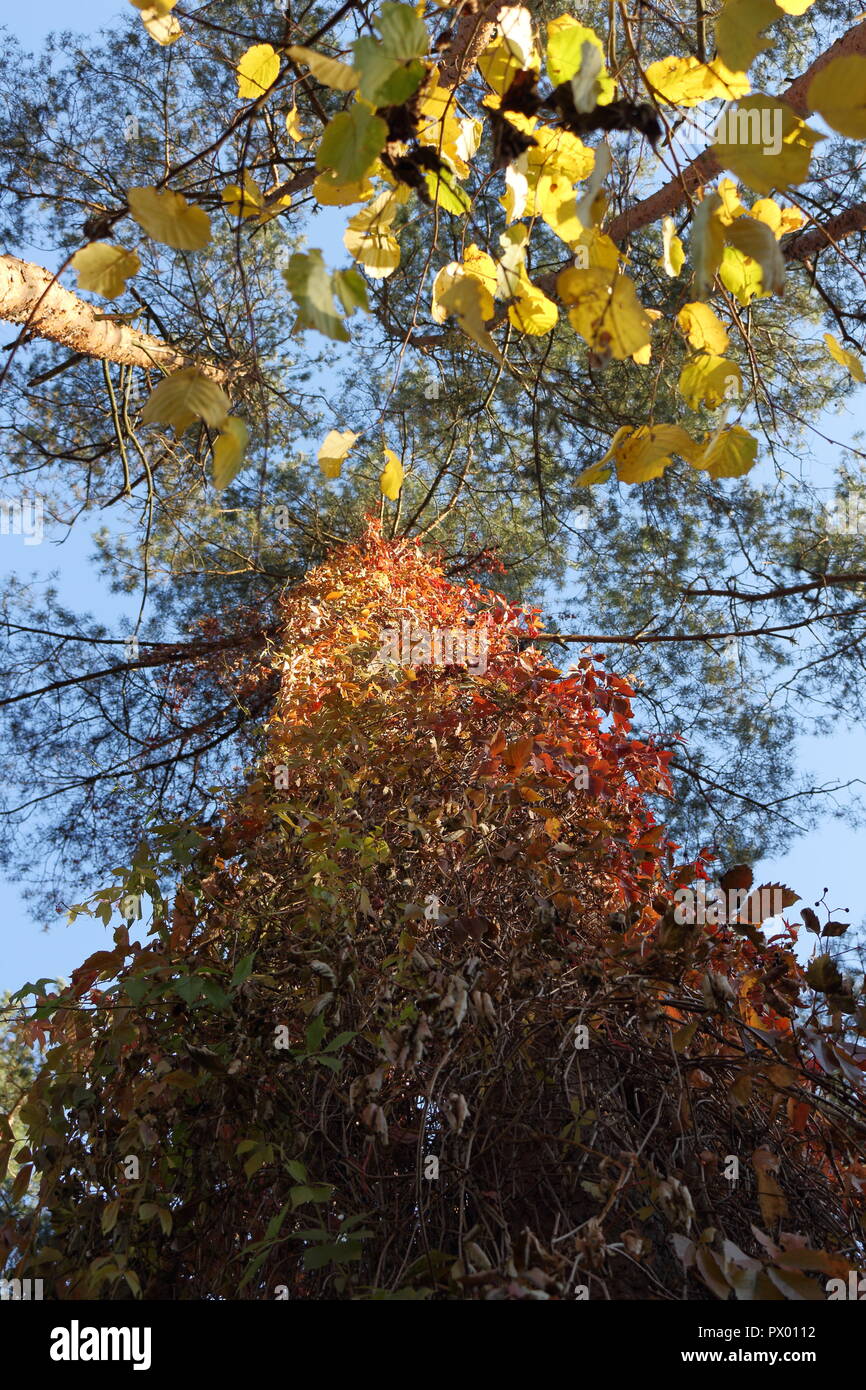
(391, 479)
(184, 397)
(105, 269)
(335, 447)
(229, 451)
(169, 218)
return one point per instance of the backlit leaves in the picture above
(105, 269)
(334, 449)
(605, 311)
(257, 70)
(229, 451)
(342, 77)
(772, 145)
(351, 142)
(169, 218)
(313, 290)
(689, 82)
(183, 398)
(838, 93)
(391, 479)
(847, 359)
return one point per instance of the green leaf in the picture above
(215, 995)
(446, 191)
(189, 988)
(242, 970)
(136, 987)
(319, 1192)
(311, 287)
(328, 1254)
(351, 142)
(351, 290)
(385, 81)
(339, 1041)
(404, 35)
(315, 1033)
(296, 1170)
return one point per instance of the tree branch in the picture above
(32, 296)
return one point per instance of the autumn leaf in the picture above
(229, 451)
(105, 269)
(605, 311)
(702, 328)
(838, 93)
(391, 479)
(351, 142)
(169, 218)
(183, 398)
(846, 359)
(739, 28)
(257, 71)
(688, 82)
(465, 299)
(334, 449)
(329, 71)
(708, 380)
(748, 136)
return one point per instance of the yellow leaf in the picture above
(795, 6)
(566, 58)
(593, 249)
(229, 451)
(741, 276)
(702, 328)
(243, 202)
(731, 205)
(756, 239)
(340, 77)
(293, 125)
(105, 269)
(163, 27)
(646, 452)
(391, 479)
(186, 396)
(532, 311)
(605, 311)
(838, 93)
(335, 448)
(673, 255)
(708, 380)
(764, 142)
(498, 66)
(257, 70)
(169, 218)
(728, 454)
(559, 152)
(368, 237)
(688, 82)
(707, 242)
(480, 266)
(844, 357)
(162, 7)
(738, 30)
(466, 298)
(328, 191)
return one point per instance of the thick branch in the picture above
(32, 296)
(705, 166)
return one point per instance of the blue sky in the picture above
(828, 856)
